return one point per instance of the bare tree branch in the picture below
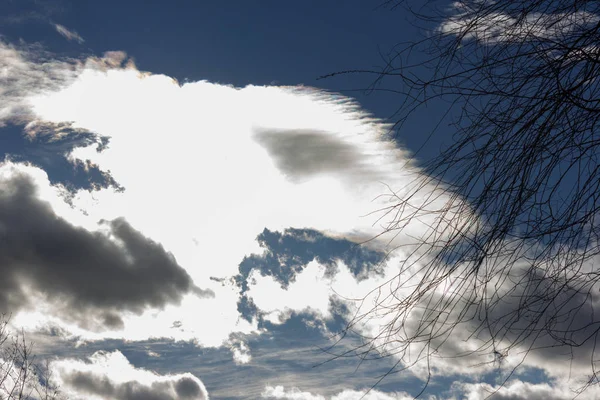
(20, 377)
(512, 255)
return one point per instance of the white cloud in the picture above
(68, 34)
(107, 376)
(447, 343)
(371, 395)
(512, 390)
(311, 280)
(198, 142)
(518, 390)
(241, 352)
(279, 392)
(207, 167)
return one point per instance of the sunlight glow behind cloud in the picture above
(201, 167)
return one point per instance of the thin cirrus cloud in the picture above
(496, 27)
(27, 70)
(68, 33)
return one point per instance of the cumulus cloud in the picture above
(203, 184)
(108, 376)
(456, 341)
(313, 279)
(279, 392)
(68, 34)
(519, 390)
(286, 254)
(209, 152)
(88, 277)
(206, 168)
(241, 352)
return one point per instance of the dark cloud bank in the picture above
(185, 388)
(87, 277)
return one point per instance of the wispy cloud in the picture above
(68, 34)
(25, 71)
(470, 21)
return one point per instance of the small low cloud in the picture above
(68, 34)
(280, 392)
(107, 376)
(241, 352)
(519, 390)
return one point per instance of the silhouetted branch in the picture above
(511, 256)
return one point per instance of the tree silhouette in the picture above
(20, 376)
(512, 255)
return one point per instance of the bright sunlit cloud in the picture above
(203, 168)
(207, 230)
(280, 392)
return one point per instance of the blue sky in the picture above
(183, 203)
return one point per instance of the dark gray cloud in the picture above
(111, 376)
(184, 388)
(301, 154)
(89, 278)
(188, 388)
